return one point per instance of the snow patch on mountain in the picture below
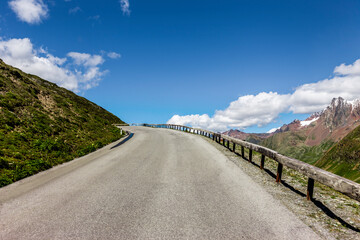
(273, 130)
(308, 122)
(355, 103)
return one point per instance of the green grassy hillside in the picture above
(42, 125)
(292, 144)
(344, 157)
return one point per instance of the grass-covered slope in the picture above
(292, 144)
(344, 157)
(42, 125)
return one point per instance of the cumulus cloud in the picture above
(113, 55)
(353, 69)
(76, 71)
(125, 6)
(86, 59)
(313, 97)
(30, 11)
(246, 111)
(264, 108)
(196, 120)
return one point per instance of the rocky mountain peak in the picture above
(338, 113)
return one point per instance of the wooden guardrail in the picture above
(340, 184)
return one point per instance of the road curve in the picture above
(161, 184)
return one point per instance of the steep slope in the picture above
(42, 125)
(293, 144)
(344, 157)
(309, 140)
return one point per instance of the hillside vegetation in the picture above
(292, 144)
(42, 125)
(344, 157)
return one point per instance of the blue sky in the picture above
(212, 64)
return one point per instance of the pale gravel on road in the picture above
(161, 184)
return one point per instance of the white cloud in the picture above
(246, 111)
(313, 97)
(113, 55)
(125, 6)
(199, 121)
(76, 72)
(30, 11)
(353, 69)
(264, 108)
(86, 59)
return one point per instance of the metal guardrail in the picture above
(340, 184)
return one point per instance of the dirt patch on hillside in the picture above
(47, 102)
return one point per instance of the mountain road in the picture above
(160, 184)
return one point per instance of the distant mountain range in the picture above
(250, 137)
(312, 140)
(333, 123)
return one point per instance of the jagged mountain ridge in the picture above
(333, 123)
(309, 140)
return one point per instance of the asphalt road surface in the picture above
(160, 184)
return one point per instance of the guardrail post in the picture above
(234, 146)
(242, 152)
(262, 163)
(224, 142)
(228, 144)
(279, 173)
(310, 189)
(250, 155)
